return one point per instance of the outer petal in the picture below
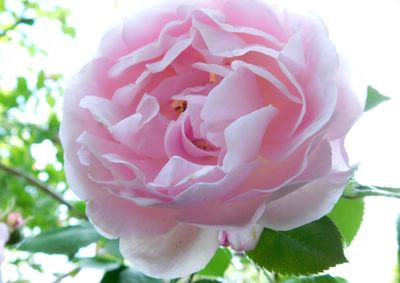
(305, 204)
(3, 239)
(183, 250)
(243, 239)
(123, 218)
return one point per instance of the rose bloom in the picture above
(198, 124)
(3, 240)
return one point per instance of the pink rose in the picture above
(198, 124)
(3, 240)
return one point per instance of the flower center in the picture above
(203, 144)
(179, 105)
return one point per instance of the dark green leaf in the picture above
(127, 275)
(207, 280)
(306, 250)
(347, 216)
(218, 264)
(317, 279)
(28, 22)
(66, 240)
(374, 98)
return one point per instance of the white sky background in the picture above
(367, 32)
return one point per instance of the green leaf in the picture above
(306, 250)
(98, 262)
(22, 87)
(51, 101)
(317, 279)
(127, 275)
(66, 240)
(218, 264)
(112, 247)
(40, 80)
(398, 237)
(347, 216)
(374, 98)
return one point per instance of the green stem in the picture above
(358, 191)
(71, 273)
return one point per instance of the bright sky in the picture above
(365, 32)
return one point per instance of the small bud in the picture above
(15, 220)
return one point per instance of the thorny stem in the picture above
(35, 182)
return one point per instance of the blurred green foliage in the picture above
(17, 136)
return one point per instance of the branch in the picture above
(35, 182)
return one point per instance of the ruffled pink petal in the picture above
(103, 110)
(281, 150)
(244, 136)
(349, 106)
(258, 15)
(183, 250)
(223, 215)
(112, 44)
(319, 162)
(239, 94)
(178, 170)
(317, 199)
(153, 50)
(274, 176)
(170, 55)
(243, 31)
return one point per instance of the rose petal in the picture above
(182, 251)
(127, 217)
(242, 239)
(103, 110)
(317, 199)
(239, 94)
(244, 136)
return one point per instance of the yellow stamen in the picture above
(213, 78)
(179, 105)
(202, 144)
